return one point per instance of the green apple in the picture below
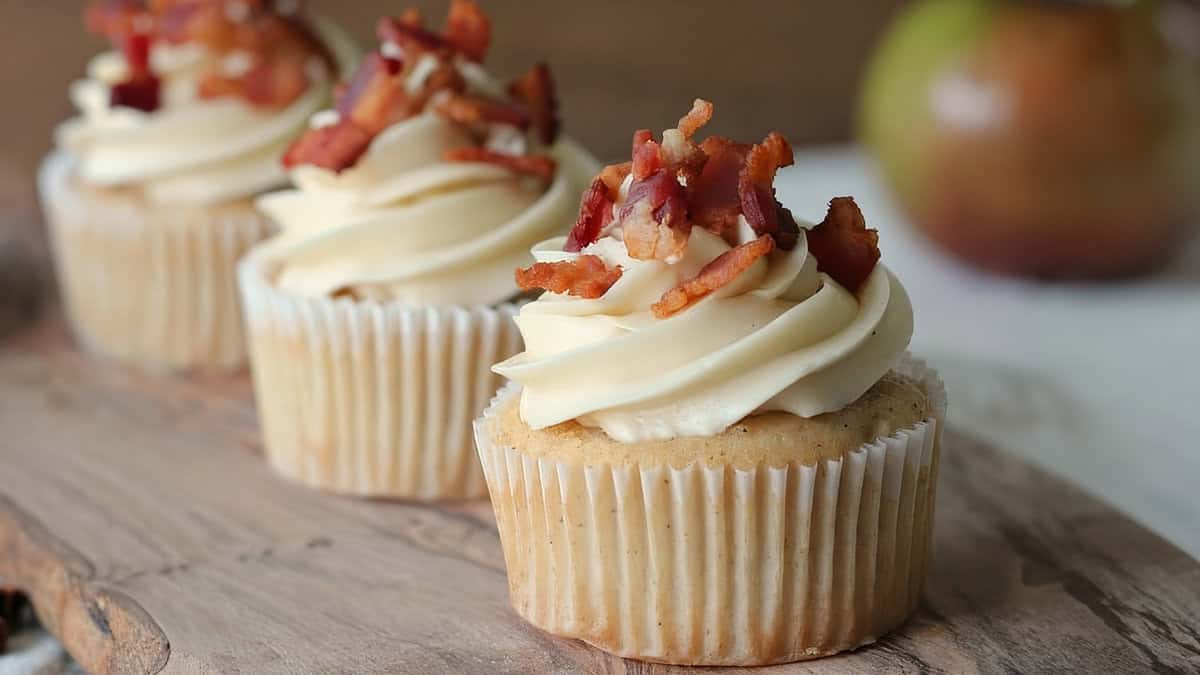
(1041, 138)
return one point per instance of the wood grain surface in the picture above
(138, 514)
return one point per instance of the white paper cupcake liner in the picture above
(149, 285)
(717, 565)
(368, 398)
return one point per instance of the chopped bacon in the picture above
(336, 146)
(540, 166)
(468, 29)
(595, 214)
(757, 192)
(585, 277)
(654, 217)
(613, 175)
(412, 39)
(470, 110)
(713, 199)
(115, 18)
(535, 90)
(723, 269)
(843, 246)
(647, 155)
(140, 93)
(697, 117)
(371, 98)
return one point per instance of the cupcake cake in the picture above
(148, 196)
(714, 449)
(375, 315)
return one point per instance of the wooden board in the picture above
(138, 514)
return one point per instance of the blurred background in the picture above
(620, 65)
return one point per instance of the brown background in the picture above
(791, 65)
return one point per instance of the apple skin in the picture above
(1037, 138)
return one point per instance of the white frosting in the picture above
(190, 150)
(402, 224)
(782, 336)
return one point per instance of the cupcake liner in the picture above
(705, 565)
(146, 284)
(369, 398)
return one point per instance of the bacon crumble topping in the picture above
(721, 271)
(275, 50)
(585, 277)
(677, 184)
(380, 94)
(843, 245)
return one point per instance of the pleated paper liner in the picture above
(712, 565)
(154, 286)
(368, 398)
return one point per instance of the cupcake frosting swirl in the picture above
(192, 149)
(403, 224)
(782, 336)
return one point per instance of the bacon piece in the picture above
(845, 249)
(585, 277)
(654, 217)
(140, 93)
(647, 155)
(374, 97)
(336, 146)
(713, 200)
(756, 190)
(535, 90)
(411, 37)
(470, 110)
(595, 214)
(721, 271)
(468, 29)
(695, 118)
(115, 18)
(613, 175)
(540, 166)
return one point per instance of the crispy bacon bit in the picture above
(535, 90)
(468, 29)
(585, 277)
(595, 214)
(721, 271)
(654, 218)
(613, 175)
(843, 246)
(713, 198)
(697, 117)
(647, 155)
(757, 192)
(470, 110)
(411, 37)
(114, 18)
(141, 94)
(335, 147)
(539, 166)
(373, 97)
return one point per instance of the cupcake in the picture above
(714, 449)
(374, 317)
(149, 195)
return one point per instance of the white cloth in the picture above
(1097, 383)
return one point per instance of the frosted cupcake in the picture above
(148, 196)
(375, 316)
(714, 450)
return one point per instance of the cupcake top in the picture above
(429, 180)
(687, 298)
(200, 97)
